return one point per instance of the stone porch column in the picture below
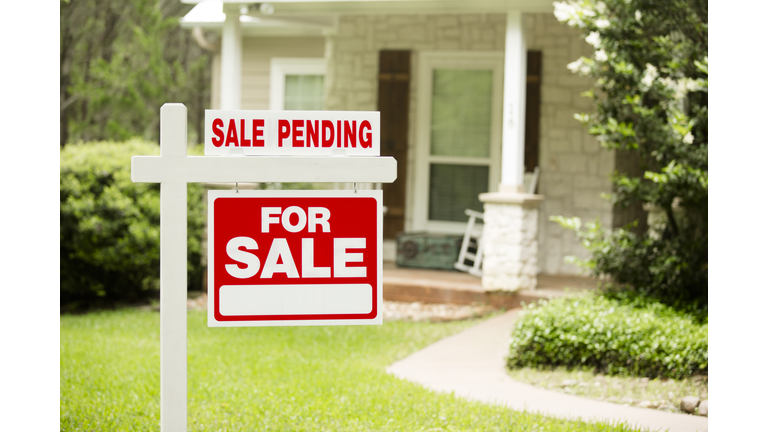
(231, 58)
(510, 232)
(510, 241)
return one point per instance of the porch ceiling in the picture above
(356, 7)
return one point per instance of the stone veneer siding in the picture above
(574, 170)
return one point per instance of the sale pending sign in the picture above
(282, 258)
(293, 133)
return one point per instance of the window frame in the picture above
(427, 63)
(279, 67)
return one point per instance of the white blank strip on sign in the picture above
(295, 299)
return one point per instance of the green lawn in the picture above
(278, 378)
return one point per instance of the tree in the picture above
(650, 67)
(120, 61)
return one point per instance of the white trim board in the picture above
(427, 62)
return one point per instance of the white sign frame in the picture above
(173, 169)
(375, 194)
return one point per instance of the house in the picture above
(472, 95)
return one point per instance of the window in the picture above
(458, 136)
(296, 83)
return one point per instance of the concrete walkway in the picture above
(471, 364)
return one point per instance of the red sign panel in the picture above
(294, 258)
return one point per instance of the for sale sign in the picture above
(283, 258)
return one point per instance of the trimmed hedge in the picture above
(614, 334)
(110, 226)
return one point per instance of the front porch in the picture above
(443, 286)
(422, 69)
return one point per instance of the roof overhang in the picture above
(210, 15)
(313, 17)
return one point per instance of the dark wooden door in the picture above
(394, 85)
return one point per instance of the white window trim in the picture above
(279, 67)
(427, 62)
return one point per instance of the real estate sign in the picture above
(274, 257)
(294, 258)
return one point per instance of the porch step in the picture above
(441, 286)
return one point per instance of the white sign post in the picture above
(173, 169)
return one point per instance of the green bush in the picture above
(672, 270)
(616, 334)
(110, 226)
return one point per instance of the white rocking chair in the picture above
(476, 243)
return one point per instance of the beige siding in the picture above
(257, 53)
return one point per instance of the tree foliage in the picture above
(120, 61)
(650, 68)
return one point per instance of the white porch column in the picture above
(231, 58)
(513, 125)
(510, 232)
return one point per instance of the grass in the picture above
(280, 378)
(662, 394)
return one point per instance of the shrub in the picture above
(614, 334)
(673, 270)
(650, 71)
(110, 226)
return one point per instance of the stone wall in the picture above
(574, 169)
(352, 53)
